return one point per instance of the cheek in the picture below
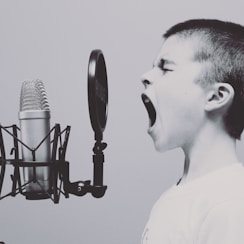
(181, 105)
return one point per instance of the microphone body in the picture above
(34, 118)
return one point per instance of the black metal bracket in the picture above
(97, 189)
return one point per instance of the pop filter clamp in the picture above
(98, 107)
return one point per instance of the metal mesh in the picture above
(33, 96)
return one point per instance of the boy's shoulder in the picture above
(187, 209)
(204, 193)
(223, 183)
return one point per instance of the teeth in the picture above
(150, 109)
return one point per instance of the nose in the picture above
(146, 82)
(147, 79)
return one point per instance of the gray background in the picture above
(52, 40)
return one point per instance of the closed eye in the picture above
(166, 70)
(161, 65)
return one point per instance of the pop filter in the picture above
(97, 93)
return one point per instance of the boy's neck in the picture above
(211, 151)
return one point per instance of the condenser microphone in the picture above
(34, 118)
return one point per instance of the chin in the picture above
(160, 149)
(159, 140)
(163, 145)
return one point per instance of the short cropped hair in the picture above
(221, 47)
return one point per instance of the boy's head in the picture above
(221, 49)
(195, 55)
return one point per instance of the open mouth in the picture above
(150, 109)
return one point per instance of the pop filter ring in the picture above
(97, 93)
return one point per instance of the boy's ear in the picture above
(219, 96)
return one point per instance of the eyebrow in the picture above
(161, 62)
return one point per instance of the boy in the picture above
(194, 95)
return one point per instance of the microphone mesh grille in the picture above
(33, 96)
